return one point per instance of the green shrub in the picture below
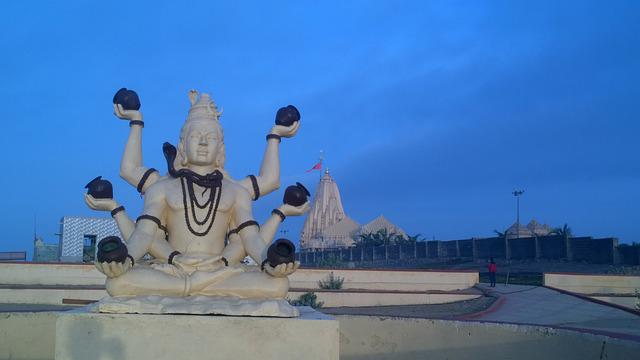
(331, 282)
(307, 299)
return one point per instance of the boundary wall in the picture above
(552, 247)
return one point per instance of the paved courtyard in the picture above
(543, 306)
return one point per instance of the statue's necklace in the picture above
(211, 182)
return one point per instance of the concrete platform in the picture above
(84, 335)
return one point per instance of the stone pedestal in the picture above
(84, 335)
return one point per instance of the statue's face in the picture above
(201, 145)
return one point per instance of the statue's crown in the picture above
(202, 108)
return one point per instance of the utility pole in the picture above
(517, 194)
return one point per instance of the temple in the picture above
(327, 226)
(533, 228)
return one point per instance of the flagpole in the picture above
(321, 158)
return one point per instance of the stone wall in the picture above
(629, 255)
(597, 251)
(523, 248)
(490, 247)
(581, 249)
(552, 247)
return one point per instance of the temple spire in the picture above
(325, 212)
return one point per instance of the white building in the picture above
(80, 235)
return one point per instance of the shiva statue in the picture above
(197, 224)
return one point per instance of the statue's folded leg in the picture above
(248, 284)
(144, 280)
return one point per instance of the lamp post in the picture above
(517, 194)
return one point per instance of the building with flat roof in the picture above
(80, 235)
(43, 252)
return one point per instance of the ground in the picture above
(434, 311)
(520, 304)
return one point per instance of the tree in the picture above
(379, 238)
(384, 237)
(407, 240)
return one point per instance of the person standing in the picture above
(492, 272)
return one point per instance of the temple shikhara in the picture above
(328, 226)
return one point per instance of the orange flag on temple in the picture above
(317, 166)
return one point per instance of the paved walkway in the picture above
(542, 306)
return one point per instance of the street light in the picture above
(517, 194)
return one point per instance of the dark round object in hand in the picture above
(100, 188)
(296, 195)
(282, 251)
(127, 98)
(286, 116)
(112, 249)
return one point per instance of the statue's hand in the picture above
(114, 269)
(286, 131)
(282, 270)
(123, 114)
(100, 204)
(290, 210)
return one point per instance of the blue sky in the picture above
(428, 112)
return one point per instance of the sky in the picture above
(429, 112)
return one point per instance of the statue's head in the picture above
(201, 138)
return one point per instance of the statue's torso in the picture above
(180, 237)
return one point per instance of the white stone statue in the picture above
(197, 221)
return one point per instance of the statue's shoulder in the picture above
(230, 184)
(233, 186)
(162, 185)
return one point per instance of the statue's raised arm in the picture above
(126, 106)
(287, 125)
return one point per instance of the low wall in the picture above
(33, 283)
(365, 337)
(630, 302)
(358, 299)
(32, 336)
(48, 296)
(407, 280)
(50, 274)
(391, 280)
(593, 284)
